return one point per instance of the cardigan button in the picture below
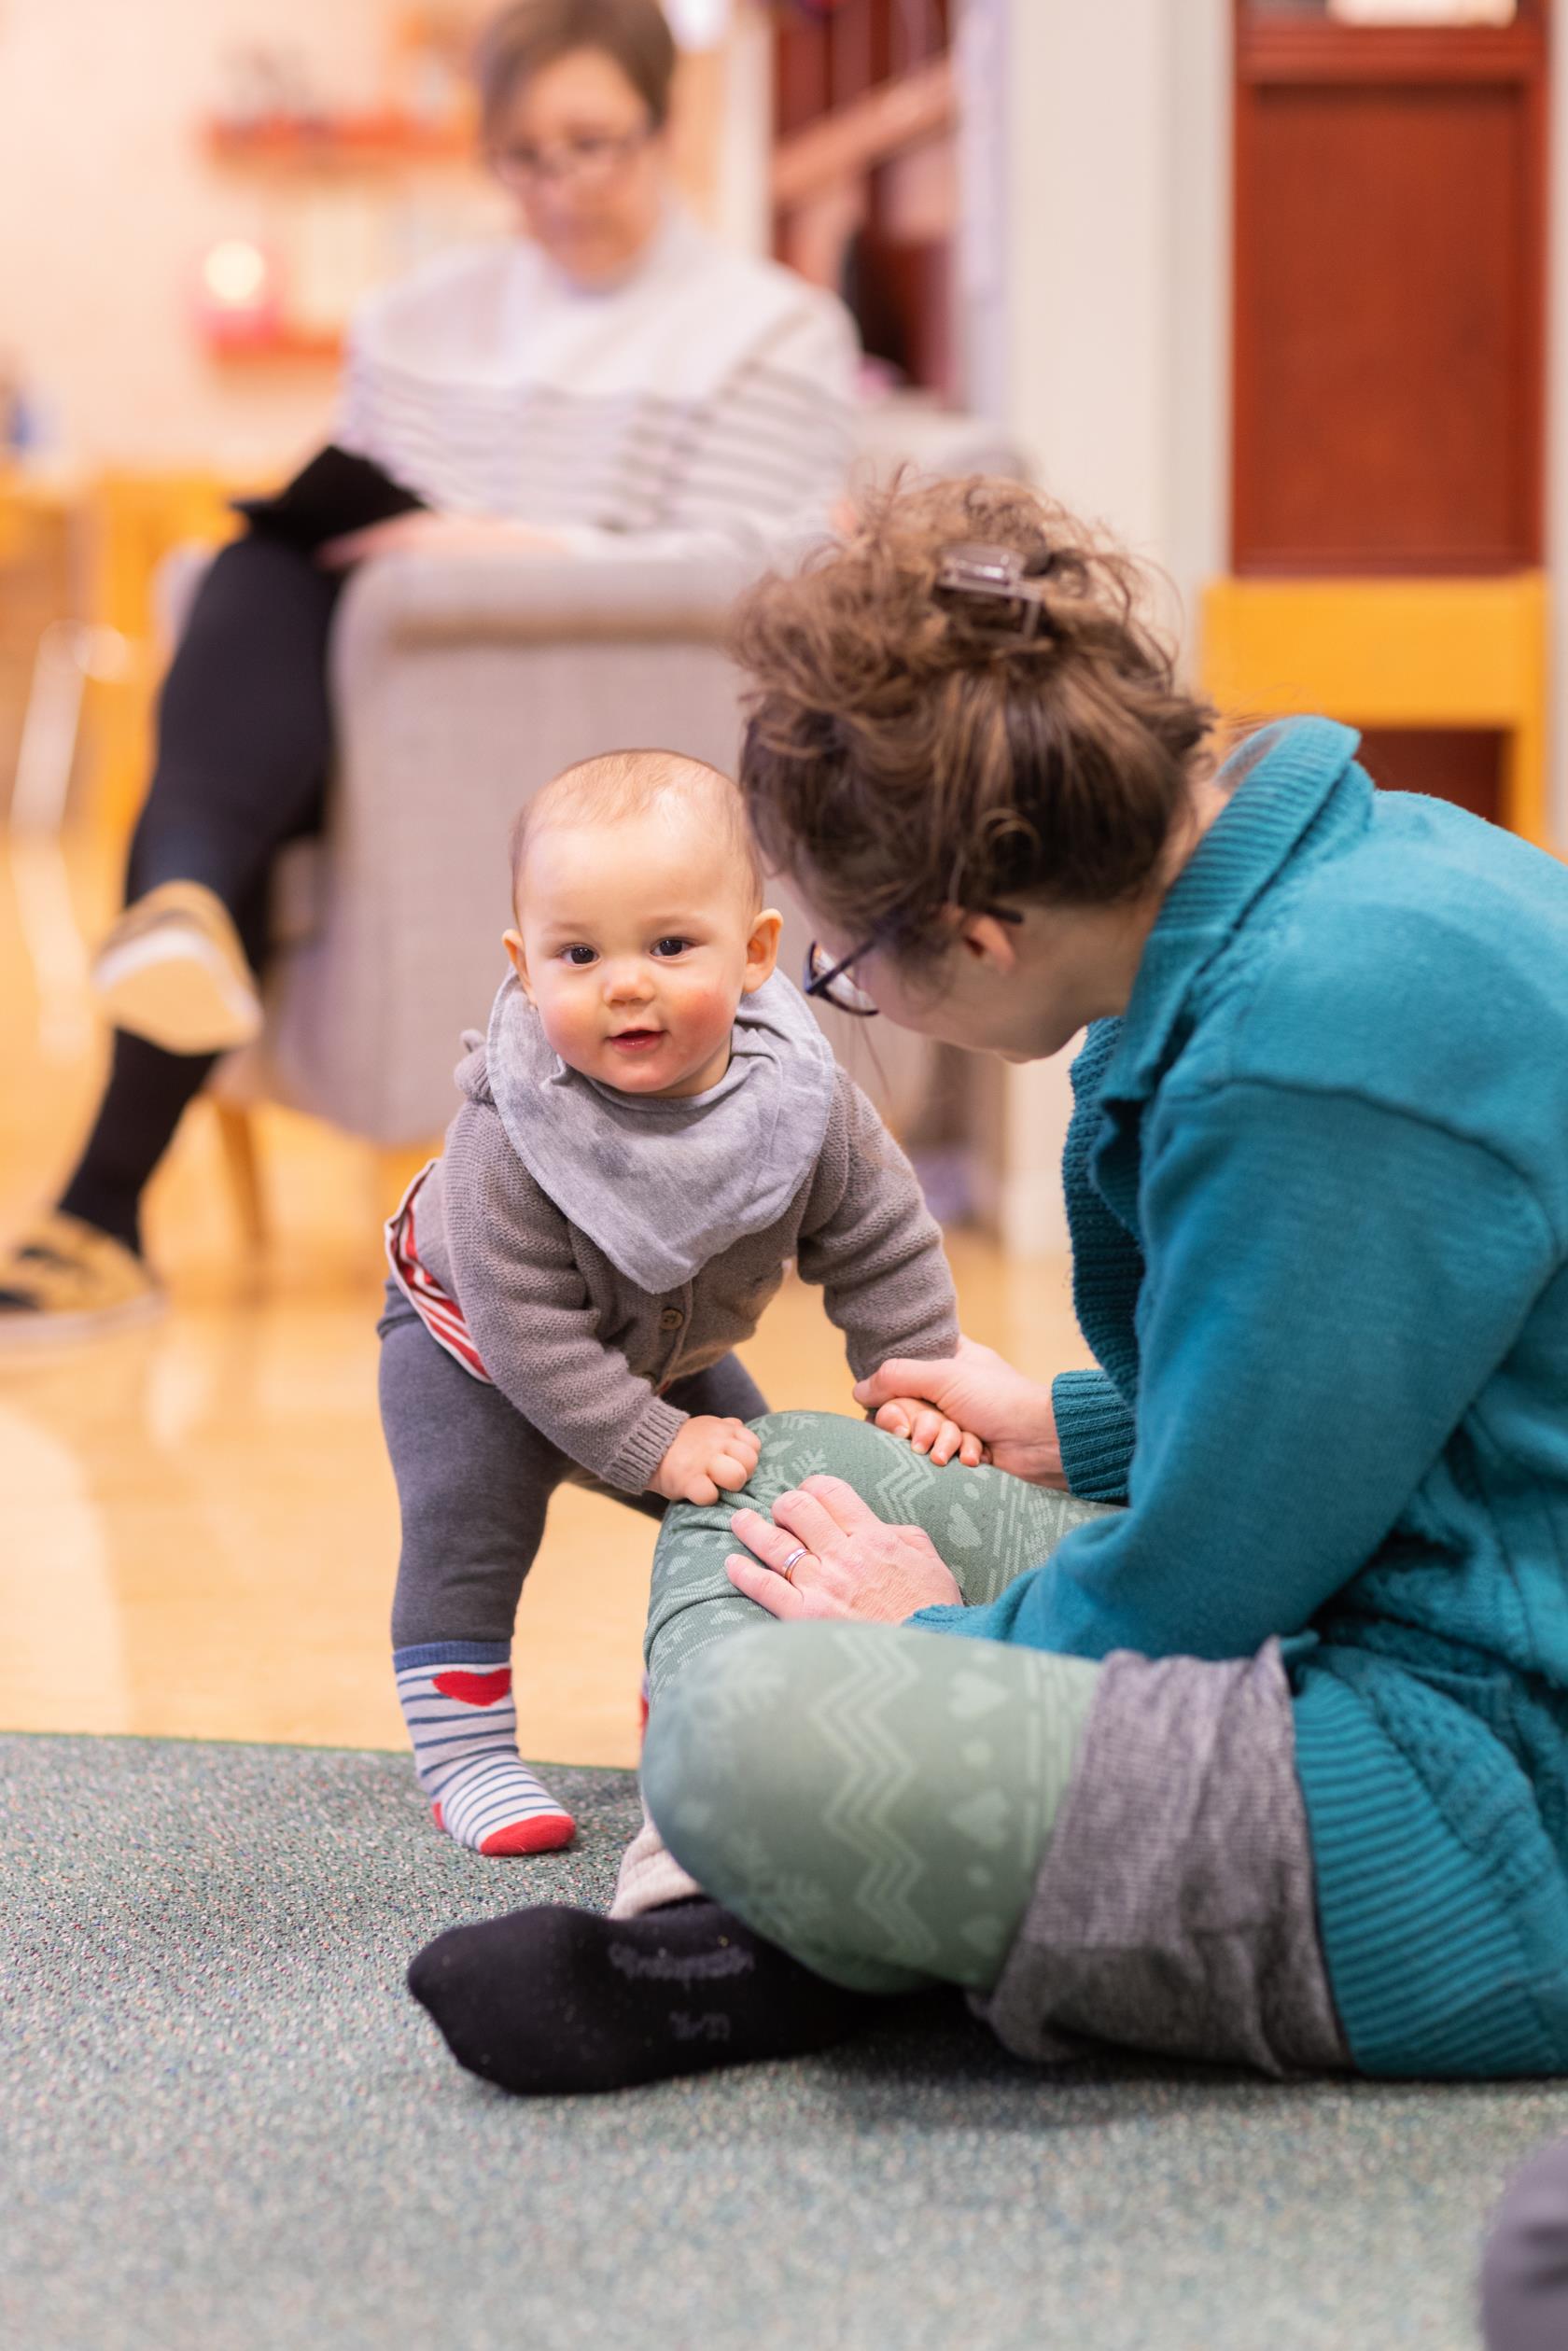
(671, 1319)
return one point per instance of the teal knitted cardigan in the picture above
(1317, 1180)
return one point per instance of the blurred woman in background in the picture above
(610, 378)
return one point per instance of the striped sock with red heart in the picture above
(456, 1701)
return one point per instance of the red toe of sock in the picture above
(547, 1832)
(436, 1812)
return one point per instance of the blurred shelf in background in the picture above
(865, 178)
(320, 349)
(339, 142)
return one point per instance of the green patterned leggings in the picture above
(876, 1798)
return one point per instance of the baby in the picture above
(653, 1125)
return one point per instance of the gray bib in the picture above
(664, 1187)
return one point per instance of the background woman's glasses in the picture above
(589, 160)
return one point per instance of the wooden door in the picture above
(1390, 196)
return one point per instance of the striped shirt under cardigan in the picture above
(703, 403)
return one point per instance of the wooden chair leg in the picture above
(237, 1130)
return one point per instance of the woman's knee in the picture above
(694, 1605)
(796, 1446)
(800, 1445)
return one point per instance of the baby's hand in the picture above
(931, 1432)
(706, 1454)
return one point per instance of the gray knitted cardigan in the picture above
(585, 1356)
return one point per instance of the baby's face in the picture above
(636, 941)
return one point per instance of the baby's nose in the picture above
(627, 979)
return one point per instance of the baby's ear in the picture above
(512, 941)
(761, 950)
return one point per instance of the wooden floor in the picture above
(197, 1530)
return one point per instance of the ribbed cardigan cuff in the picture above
(1425, 1953)
(1095, 1430)
(645, 1448)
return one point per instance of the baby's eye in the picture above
(579, 957)
(672, 945)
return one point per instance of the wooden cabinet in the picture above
(1390, 198)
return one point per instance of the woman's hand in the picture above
(978, 1391)
(424, 533)
(853, 1563)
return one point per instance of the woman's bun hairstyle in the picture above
(961, 703)
(533, 33)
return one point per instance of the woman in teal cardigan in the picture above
(1253, 1743)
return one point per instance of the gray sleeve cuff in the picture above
(645, 1448)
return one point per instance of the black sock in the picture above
(551, 2000)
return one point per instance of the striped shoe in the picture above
(65, 1280)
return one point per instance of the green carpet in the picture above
(226, 2128)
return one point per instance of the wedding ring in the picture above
(788, 1570)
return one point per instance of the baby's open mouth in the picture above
(636, 1040)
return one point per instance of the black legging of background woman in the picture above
(244, 744)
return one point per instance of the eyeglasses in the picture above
(831, 982)
(590, 160)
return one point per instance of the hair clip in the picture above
(974, 567)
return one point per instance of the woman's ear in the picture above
(985, 940)
(761, 950)
(517, 957)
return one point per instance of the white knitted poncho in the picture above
(702, 399)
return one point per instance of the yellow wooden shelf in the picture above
(1394, 653)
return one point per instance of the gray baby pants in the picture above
(474, 1480)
